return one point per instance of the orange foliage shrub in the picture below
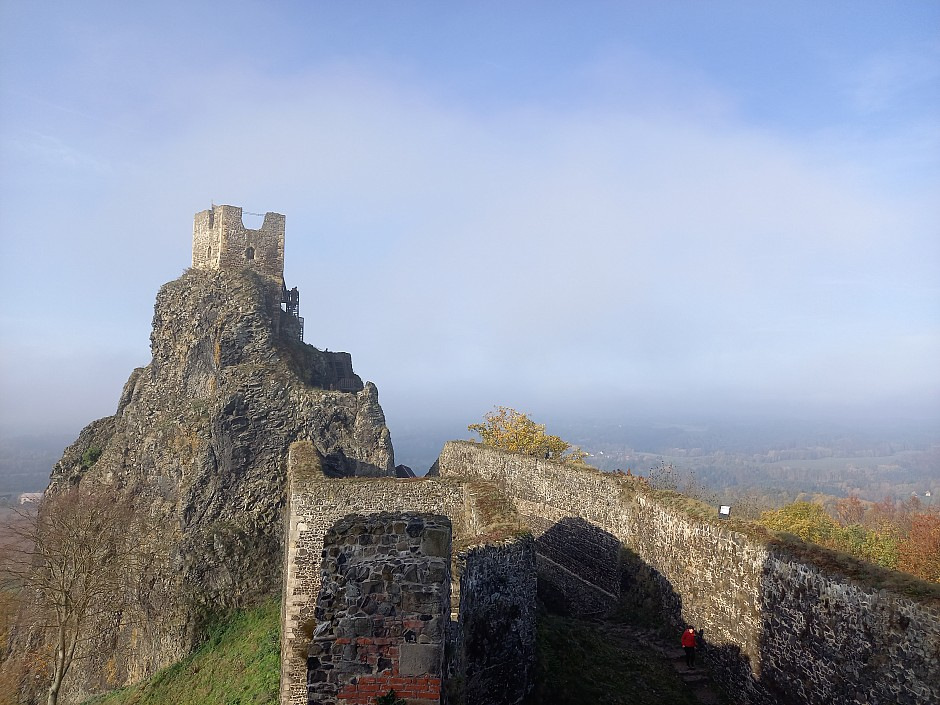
(919, 553)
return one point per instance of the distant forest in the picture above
(785, 461)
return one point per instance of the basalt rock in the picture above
(200, 440)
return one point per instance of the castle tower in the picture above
(221, 241)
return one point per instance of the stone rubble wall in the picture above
(777, 629)
(495, 579)
(493, 657)
(221, 241)
(578, 567)
(315, 502)
(830, 641)
(382, 611)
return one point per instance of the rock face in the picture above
(200, 441)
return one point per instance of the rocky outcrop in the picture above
(200, 441)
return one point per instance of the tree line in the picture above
(900, 535)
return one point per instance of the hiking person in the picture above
(688, 643)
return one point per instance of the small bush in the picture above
(90, 456)
(390, 698)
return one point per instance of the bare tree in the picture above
(71, 562)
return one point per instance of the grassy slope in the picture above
(580, 664)
(577, 665)
(238, 665)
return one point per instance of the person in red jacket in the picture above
(688, 643)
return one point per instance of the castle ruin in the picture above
(222, 242)
(778, 629)
(266, 459)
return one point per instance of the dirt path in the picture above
(698, 679)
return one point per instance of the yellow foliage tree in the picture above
(511, 430)
(807, 520)
(899, 537)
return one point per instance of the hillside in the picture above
(237, 665)
(197, 450)
(579, 662)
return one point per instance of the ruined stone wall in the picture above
(383, 610)
(708, 576)
(779, 630)
(315, 502)
(494, 650)
(578, 520)
(494, 634)
(221, 241)
(829, 641)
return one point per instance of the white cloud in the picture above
(525, 244)
(644, 239)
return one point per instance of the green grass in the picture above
(238, 665)
(578, 663)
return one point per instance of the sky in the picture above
(591, 207)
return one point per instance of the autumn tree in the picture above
(886, 534)
(72, 564)
(850, 510)
(514, 431)
(919, 553)
(13, 667)
(807, 520)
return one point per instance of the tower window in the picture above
(250, 253)
(209, 252)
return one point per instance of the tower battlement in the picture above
(221, 241)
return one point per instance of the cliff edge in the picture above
(199, 444)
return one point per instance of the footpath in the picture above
(698, 679)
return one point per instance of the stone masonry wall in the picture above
(777, 629)
(315, 502)
(383, 610)
(577, 518)
(221, 241)
(491, 647)
(494, 655)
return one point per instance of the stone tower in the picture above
(221, 241)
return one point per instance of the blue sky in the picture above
(618, 206)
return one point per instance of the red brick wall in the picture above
(368, 688)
